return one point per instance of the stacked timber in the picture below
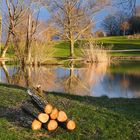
(46, 116)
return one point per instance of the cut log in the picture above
(36, 125)
(54, 114)
(48, 109)
(39, 92)
(62, 116)
(43, 117)
(25, 119)
(71, 125)
(37, 100)
(28, 109)
(52, 125)
(38, 88)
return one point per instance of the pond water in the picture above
(121, 79)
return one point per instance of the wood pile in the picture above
(46, 116)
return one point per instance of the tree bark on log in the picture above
(41, 104)
(42, 117)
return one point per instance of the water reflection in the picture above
(91, 80)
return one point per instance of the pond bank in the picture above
(96, 118)
(114, 58)
(65, 60)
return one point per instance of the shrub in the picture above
(94, 52)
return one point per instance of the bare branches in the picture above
(73, 18)
(129, 5)
(21, 21)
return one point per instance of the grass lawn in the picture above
(10, 51)
(96, 118)
(127, 54)
(62, 49)
(120, 42)
(116, 43)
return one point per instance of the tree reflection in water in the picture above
(81, 81)
(4, 68)
(30, 76)
(90, 80)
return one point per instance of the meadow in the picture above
(96, 118)
(121, 43)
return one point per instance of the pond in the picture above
(120, 79)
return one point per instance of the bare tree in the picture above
(99, 33)
(0, 29)
(134, 25)
(74, 17)
(138, 11)
(31, 28)
(110, 25)
(12, 19)
(21, 22)
(129, 5)
(47, 31)
(125, 26)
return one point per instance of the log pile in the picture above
(46, 116)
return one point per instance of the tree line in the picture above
(71, 20)
(122, 23)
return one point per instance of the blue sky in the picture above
(44, 15)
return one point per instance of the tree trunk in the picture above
(16, 45)
(6, 72)
(29, 55)
(28, 41)
(27, 71)
(30, 38)
(5, 46)
(123, 32)
(71, 48)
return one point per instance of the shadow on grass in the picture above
(94, 121)
(128, 107)
(13, 115)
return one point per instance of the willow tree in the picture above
(74, 17)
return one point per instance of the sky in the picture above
(98, 18)
(44, 15)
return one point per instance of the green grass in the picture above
(96, 118)
(127, 54)
(10, 51)
(62, 49)
(116, 43)
(120, 42)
